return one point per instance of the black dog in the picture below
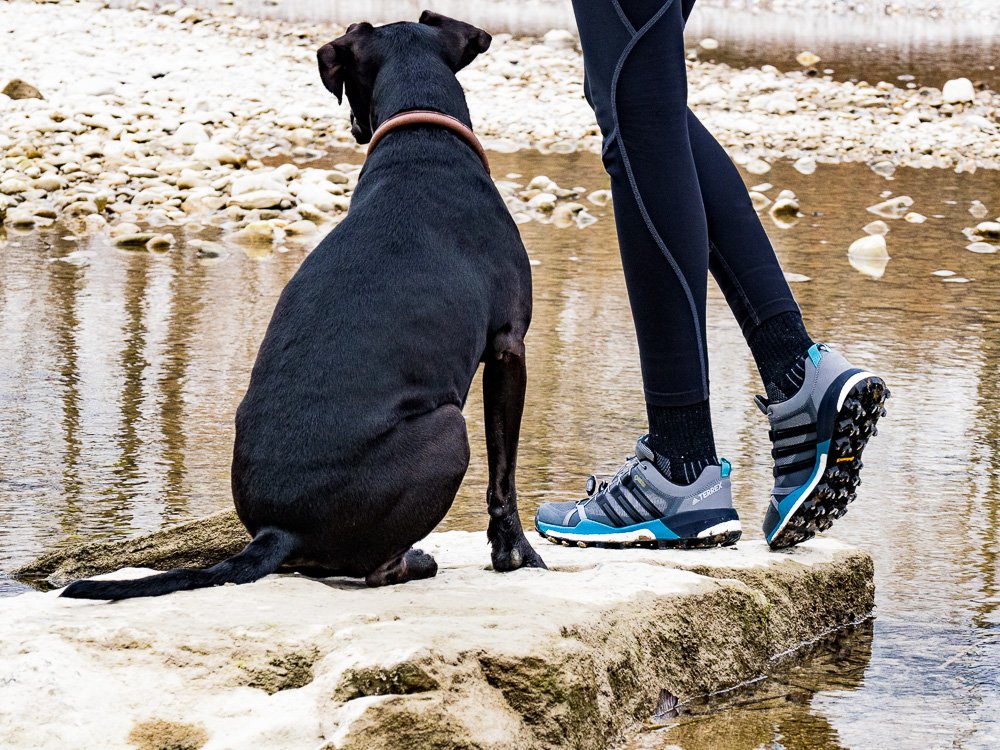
(350, 441)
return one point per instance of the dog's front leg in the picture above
(504, 381)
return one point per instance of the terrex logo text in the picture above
(695, 499)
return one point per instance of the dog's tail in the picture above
(264, 555)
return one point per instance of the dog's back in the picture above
(386, 320)
(389, 315)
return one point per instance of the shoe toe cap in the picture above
(771, 519)
(557, 514)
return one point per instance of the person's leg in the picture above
(674, 492)
(637, 84)
(821, 409)
(743, 262)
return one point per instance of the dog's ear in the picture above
(337, 58)
(462, 41)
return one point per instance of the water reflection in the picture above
(774, 712)
(122, 376)
(119, 378)
(64, 284)
(868, 47)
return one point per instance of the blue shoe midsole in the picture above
(828, 413)
(790, 502)
(685, 525)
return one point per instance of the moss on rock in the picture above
(404, 678)
(195, 544)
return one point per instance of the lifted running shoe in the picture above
(639, 507)
(818, 436)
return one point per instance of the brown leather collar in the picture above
(429, 117)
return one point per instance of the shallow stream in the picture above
(120, 373)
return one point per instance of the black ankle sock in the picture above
(682, 439)
(779, 347)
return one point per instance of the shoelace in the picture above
(595, 487)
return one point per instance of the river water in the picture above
(120, 373)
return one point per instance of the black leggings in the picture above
(680, 205)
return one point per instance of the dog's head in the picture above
(352, 62)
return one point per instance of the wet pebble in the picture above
(984, 248)
(805, 165)
(133, 240)
(564, 215)
(208, 249)
(786, 204)
(884, 168)
(869, 255)
(18, 217)
(543, 183)
(258, 233)
(870, 246)
(301, 227)
(600, 197)
(543, 202)
(893, 208)
(160, 242)
(989, 229)
(759, 200)
(807, 59)
(757, 167)
(76, 257)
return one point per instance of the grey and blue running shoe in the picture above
(639, 507)
(818, 436)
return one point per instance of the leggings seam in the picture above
(735, 281)
(624, 19)
(631, 30)
(611, 139)
(637, 36)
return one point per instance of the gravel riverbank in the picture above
(156, 117)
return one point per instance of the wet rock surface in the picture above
(573, 657)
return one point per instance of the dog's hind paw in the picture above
(420, 564)
(413, 565)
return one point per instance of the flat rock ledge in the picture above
(573, 657)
